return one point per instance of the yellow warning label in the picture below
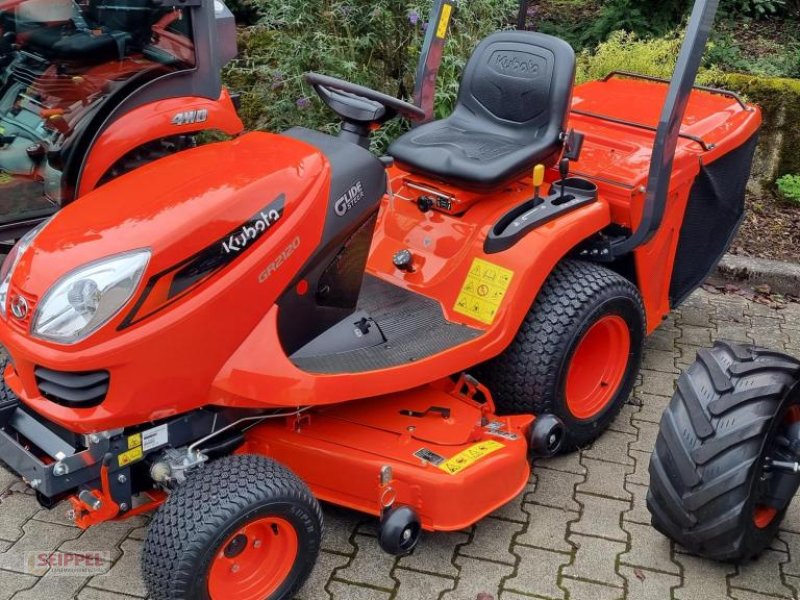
(444, 21)
(483, 291)
(134, 441)
(130, 456)
(470, 456)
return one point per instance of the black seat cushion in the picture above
(85, 46)
(512, 109)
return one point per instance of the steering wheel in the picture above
(360, 105)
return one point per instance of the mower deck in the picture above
(439, 449)
(412, 325)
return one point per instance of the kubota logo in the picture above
(516, 63)
(19, 307)
(251, 231)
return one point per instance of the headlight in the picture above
(11, 261)
(86, 299)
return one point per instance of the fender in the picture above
(444, 248)
(154, 121)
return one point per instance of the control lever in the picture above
(573, 146)
(441, 411)
(563, 171)
(538, 180)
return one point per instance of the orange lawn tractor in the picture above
(92, 89)
(236, 332)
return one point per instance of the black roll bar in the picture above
(669, 128)
(431, 56)
(522, 16)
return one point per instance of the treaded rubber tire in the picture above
(5, 391)
(530, 375)
(708, 459)
(212, 504)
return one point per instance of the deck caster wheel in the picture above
(722, 472)
(547, 436)
(241, 527)
(577, 353)
(400, 530)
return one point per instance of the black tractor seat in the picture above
(512, 109)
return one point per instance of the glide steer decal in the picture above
(171, 284)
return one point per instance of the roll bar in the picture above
(669, 128)
(431, 57)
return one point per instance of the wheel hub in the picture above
(597, 367)
(254, 562)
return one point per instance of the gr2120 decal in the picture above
(171, 284)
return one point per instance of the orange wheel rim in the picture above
(598, 367)
(254, 562)
(763, 516)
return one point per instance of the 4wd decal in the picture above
(190, 117)
(168, 286)
(352, 197)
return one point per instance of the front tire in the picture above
(6, 395)
(709, 488)
(577, 353)
(241, 527)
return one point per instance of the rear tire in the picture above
(706, 487)
(240, 527)
(576, 354)
(149, 152)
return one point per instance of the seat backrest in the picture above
(519, 81)
(135, 17)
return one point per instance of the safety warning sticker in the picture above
(483, 291)
(130, 456)
(470, 456)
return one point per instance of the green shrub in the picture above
(789, 188)
(371, 42)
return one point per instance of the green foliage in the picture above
(371, 42)
(637, 16)
(627, 52)
(584, 23)
(247, 12)
(789, 188)
(758, 9)
(764, 55)
(779, 100)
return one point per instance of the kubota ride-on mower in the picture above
(93, 88)
(235, 332)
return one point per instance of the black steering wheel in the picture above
(360, 105)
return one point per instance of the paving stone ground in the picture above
(580, 530)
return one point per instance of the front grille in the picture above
(75, 390)
(23, 324)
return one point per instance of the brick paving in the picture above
(579, 531)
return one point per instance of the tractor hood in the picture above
(206, 207)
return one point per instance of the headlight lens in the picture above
(89, 297)
(10, 263)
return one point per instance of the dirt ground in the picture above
(771, 229)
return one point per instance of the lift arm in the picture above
(669, 127)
